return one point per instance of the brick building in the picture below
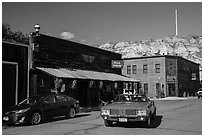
(164, 75)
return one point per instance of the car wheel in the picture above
(35, 118)
(71, 113)
(108, 123)
(148, 122)
(154, 115)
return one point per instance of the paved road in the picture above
(174, 117)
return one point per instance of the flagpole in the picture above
(176, 21)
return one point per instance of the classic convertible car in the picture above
(129, 108)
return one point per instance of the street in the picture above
(174, 117)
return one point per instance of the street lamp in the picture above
(37, 29)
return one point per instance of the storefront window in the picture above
(146, 88)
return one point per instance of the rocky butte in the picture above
(188, 47)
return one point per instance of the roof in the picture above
(61, 42)
(15, 43)
(160, 56)
(84, 74)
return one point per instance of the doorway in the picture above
(172, 89)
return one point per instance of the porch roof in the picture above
(84, 74)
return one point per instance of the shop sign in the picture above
(117, 64)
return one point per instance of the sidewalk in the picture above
(175, 98)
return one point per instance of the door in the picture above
(172, 89)
(9, 84)
(62, 104)
(50, 106)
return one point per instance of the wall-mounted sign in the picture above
(117, 63)
(171, 78)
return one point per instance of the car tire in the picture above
(36, 118)
(154, 115)
(108, 123)
(147, 122)
(71, 112)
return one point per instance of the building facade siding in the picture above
(164, 75)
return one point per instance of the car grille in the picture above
(122, 112)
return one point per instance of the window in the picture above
(50, 99)
(134, 69)
(61, 98)
(128, 69)
(158, 89)
(42, 83)
(145, 69)
(146, 88)
(157, 68)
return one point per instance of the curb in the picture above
(88, 109)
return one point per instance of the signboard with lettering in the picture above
(117, 63)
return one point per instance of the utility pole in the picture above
(32, 46)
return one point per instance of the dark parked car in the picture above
(129, 108)
(37, 108)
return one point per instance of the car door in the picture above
(62, 104)
(50, 106)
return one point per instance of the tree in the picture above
(9, 35)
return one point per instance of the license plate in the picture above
(6, 118)
(122, 119)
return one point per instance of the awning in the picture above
(84, 74)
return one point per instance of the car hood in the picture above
(17, 107)
(126, 105)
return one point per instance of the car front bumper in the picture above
(15, 119)
(124, 118)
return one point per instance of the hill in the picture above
(188, 47)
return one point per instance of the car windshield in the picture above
(31, 100)
(130, 98)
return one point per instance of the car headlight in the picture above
(21, 111)
(105, 112)
(142, 113)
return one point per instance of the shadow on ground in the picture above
(4, 126)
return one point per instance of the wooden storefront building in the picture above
(78, 70)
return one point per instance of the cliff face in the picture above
(188, 47)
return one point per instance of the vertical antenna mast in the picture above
(176, 21)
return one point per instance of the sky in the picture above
(96, 23)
